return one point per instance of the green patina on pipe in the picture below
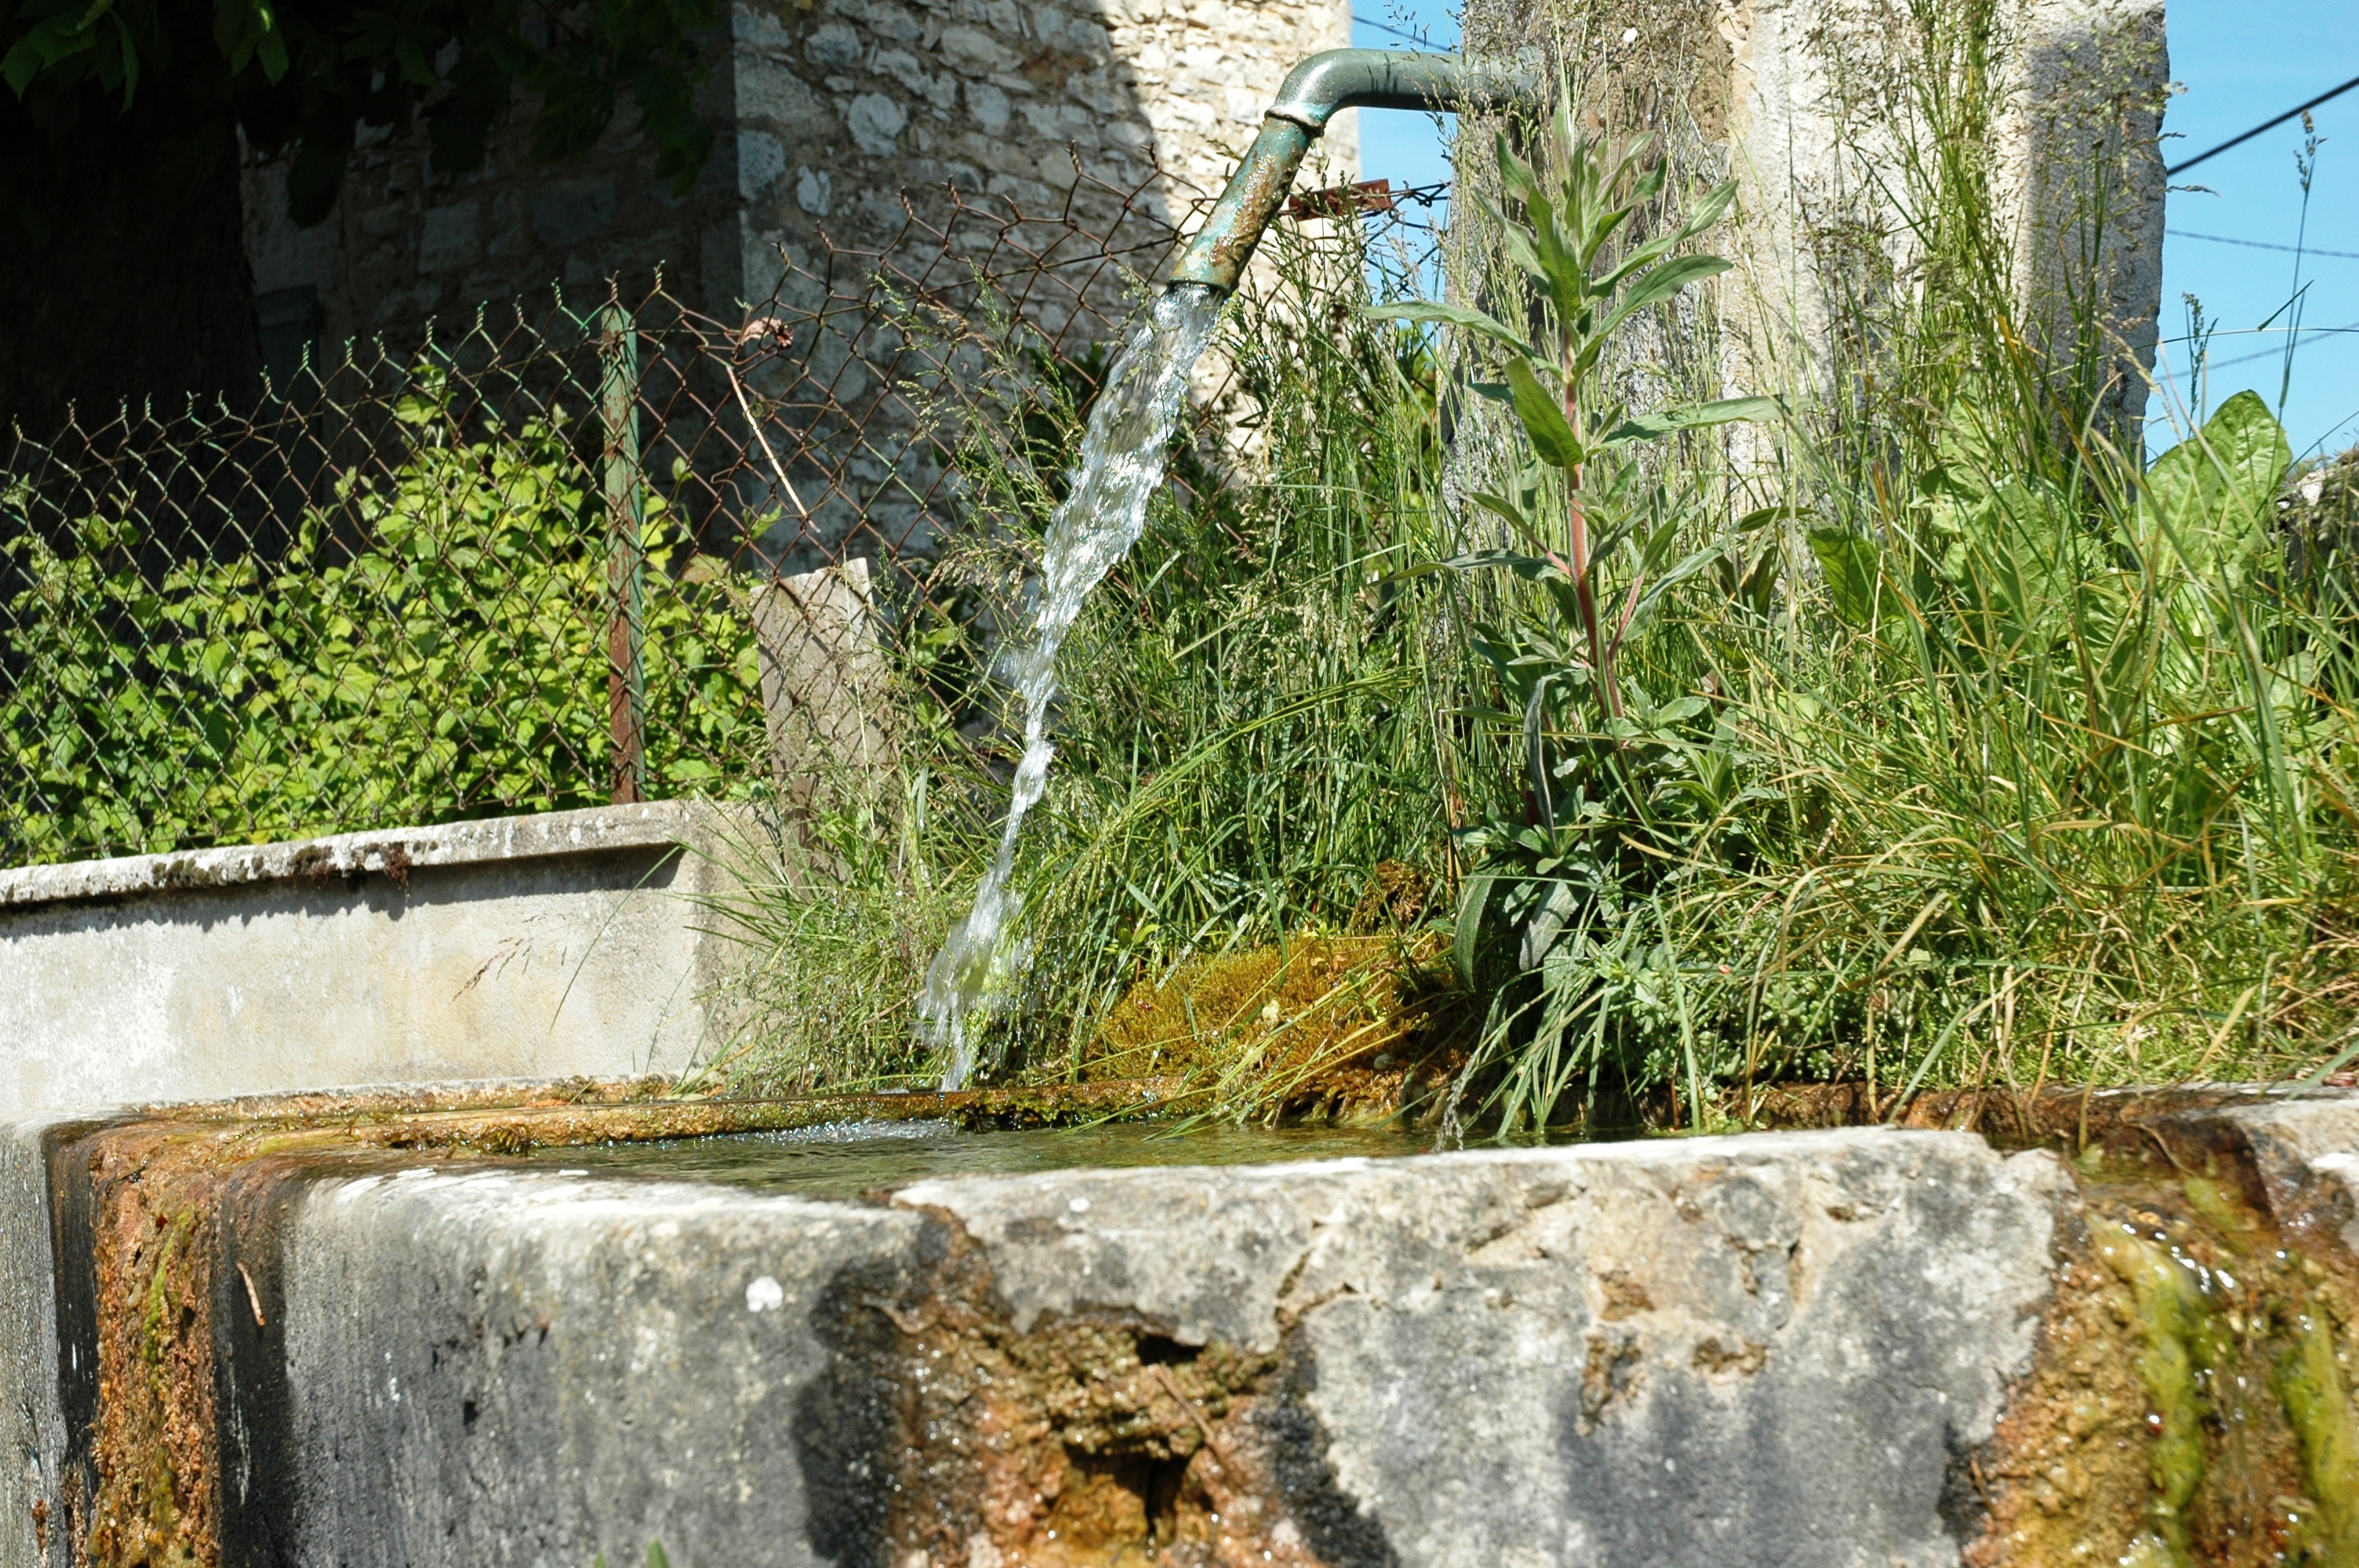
(1314, 92)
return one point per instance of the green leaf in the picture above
(1428, 310)
(1515, 176)
(1709, 210)
(1543, 419)
(1528, 567)
(1503, 507)
(1678, 711)
(2210, 493)
(2250, 447)
(1663, 283)
(1518, 245)
(1659, 590)
(1466, 939)
(1638, 260)
(1849, 563)
(1692, 417)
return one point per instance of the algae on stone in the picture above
(2191, 1392)
(2176, 1323)
(2308, 1381)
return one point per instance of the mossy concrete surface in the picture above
(340, 1332)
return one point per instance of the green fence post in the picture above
(626, 686)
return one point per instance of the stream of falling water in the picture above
(1130, 428)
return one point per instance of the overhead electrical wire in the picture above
(1360, 21)
(2264, 125)
(2211, 364)
(2262, 245)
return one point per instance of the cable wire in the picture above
(2261, 244)
(2277, 351)
(2264, 125)
(1360, 21)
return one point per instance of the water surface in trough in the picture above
(846, 1159)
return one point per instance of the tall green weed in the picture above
(1974, 750)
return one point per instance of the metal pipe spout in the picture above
(1313, 91)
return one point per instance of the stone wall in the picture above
(845, 105)
(831, 111)
(407, 243)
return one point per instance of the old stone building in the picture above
(831, 113)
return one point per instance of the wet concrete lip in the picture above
(514, 1119)
(871, 1159)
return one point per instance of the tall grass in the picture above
(1261, 707)
(1971, 749)
(2005, 757)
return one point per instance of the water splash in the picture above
(1121, 462)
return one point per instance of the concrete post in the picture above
(825, 682)
(1842, 120)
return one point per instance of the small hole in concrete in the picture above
(1117, 1500)
(1160, 1350)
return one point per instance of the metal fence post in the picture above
(626, 687)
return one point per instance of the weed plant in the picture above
(442, 656)
(1981, 753)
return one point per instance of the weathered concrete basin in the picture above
(359, 1336)
(521, 947)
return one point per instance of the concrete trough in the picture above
(446, 1330)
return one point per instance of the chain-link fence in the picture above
(566, 557)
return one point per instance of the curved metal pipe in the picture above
(1314, 92)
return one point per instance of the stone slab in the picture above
(1493, 1357)
(1772, 1349)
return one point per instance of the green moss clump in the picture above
(2309, 1384)
(2180, 1335)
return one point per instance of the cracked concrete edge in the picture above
(1105, 1224)
(32, 1425)
(590, 830)
(1820, 1320)
(2305, 1149)
(590, 1364)
(1823, 1322)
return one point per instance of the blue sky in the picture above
(2239, 64)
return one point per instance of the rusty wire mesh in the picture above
(563, 558)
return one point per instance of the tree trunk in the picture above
(121, 262)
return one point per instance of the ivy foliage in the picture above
(451, 662)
